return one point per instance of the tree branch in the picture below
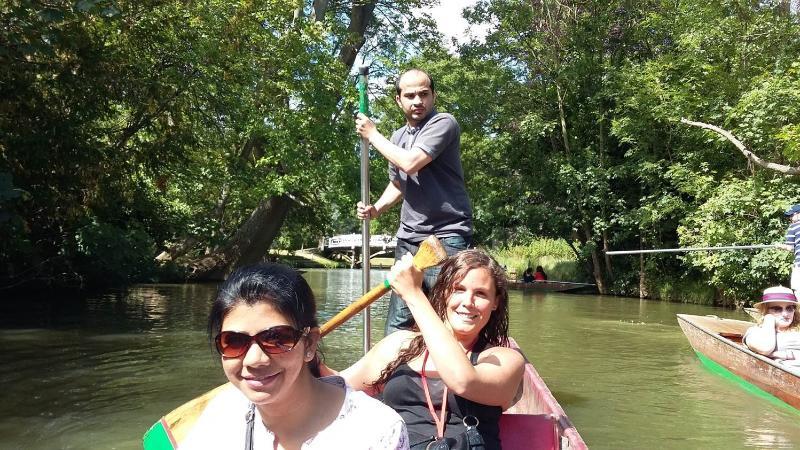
(360, 19)
(752, 157)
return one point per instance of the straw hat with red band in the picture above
(777, 294)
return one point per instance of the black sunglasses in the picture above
(274, 340)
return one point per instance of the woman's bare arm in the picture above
(762, 338)
(361, 375)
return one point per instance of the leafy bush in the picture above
(554, 255)
(106, 255)
(15, 245)
(740, 212)
(684, 290)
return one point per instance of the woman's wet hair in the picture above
(455, 269)
(280, 286)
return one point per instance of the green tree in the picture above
(198, 124)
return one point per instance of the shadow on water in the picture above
(140, 309)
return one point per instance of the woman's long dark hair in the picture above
(454, 269)
(277, 285)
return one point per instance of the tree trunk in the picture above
(320, 8)
(607, 260)
(360, 18)
(563, 121)
(643, 292)
(252, 240)
(248, 245)
(597, 271)
(176, 251)
(219, 214)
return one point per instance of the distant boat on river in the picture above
(718, 344)
(555, 286)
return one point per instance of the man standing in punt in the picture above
(425, 173)
(792, 244)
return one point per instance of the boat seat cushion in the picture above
(516, 431)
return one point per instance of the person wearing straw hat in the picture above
(778, 334)
(792, 243)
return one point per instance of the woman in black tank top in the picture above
(450, 377)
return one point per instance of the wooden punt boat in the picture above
(753, 313)
(718, 344)
(555, 286)
(535, 422)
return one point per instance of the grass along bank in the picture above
(554, 255)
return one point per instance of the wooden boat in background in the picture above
(754, 313)
(535, 422)
(555, 286)
(718, 344)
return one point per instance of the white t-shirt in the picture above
(788, 340)
(362, 423)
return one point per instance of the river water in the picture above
(95, 373)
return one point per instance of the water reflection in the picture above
(628, 378)
(95, 373)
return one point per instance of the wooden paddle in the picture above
(173, 428)
(430, 253)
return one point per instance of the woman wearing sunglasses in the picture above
(450, 378)
(265, 329)
(778, 334)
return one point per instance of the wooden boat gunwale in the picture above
(537, 399)
(763, 373)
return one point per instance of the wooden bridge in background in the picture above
(349, 246)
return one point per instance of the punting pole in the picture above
(363, 108)
(692, 249)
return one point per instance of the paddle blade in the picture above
(158, 437)
(171, 430)
(431, 253)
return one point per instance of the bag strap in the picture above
(473, 359)
(474, 438)
(439, 421)
(250, 418)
